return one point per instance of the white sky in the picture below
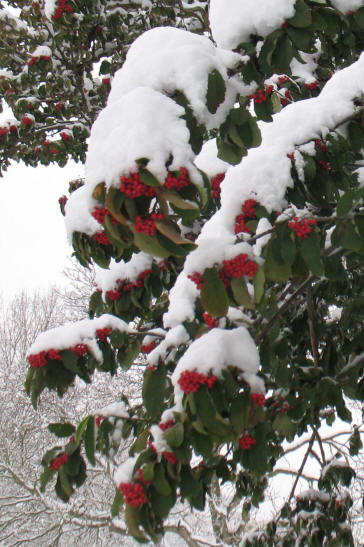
(33, 243)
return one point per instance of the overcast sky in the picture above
(33, 243)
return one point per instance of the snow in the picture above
(50, 8)
(159, 442)
(264, 174)
(189, 58)
(208, 161)
(122, 133)
(305, 72)
(124, 472)
(233, 21)
(80, 332)
(115, 410)
(107, 279)
(218, 349)
(77, 209)
(174, 337)
(347, 5)
(42, 51)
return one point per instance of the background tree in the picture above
(242, 355)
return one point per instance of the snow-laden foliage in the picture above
(223, 200)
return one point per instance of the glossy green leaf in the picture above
(216, 89)
(214, 297)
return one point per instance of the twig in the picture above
(299, 473)
(311, 325)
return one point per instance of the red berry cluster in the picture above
(325, 164)
(191, 381)
(258, 398)
(282, 80)
(237, 267)
(285, 24)
(100, 213)
(147, 226)
(101, 238)
(98, 420)
(133, 187)
(79, 349)
(302, 228)
(105, 81)
(102, 334)
(113, 294)
(59, 106)
(65, 136)
(3, 131)
(134, 494)
(39, 360)
(58, 462)
(197, 278)
(177, 182)
(33, 60)
(170, 457)
(290, 156)
(26, 120)
(247, 442)
(165, 265)
(287, 98)
(210, 321)
(147, 348)
(63, 200)
(142, 479)
(285, 407)
(127, 286)
(248, 212)
(166, 425)
(320, 144)
(216, 185)
(262, 94)
(62, 6)
(312, 85)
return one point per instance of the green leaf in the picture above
(228, 152)
(206, 411)
(241, 293)
(345, 203)
(81, 429)
(264, 110)
(174, 435)
(160, 482)
(311, 254)
(161, 504)
(132, 521)
(214, 297)
(167, 229)
(154, 385)
(150, 245)
(284, 426)
(303, 17)
(140, 443)
(62, 430)
(258, 283)
(266, 53)
(90, 440)
(148, 178)
(355, 132)
(283, 54)
(65, 482)
(216, 89)
(359, 17)
(70, 361)
(45, 477)
(239, 412)
(302, 39)
(349, 237)
(116, 504)
(176, 200)
(29, 378)
(59, 490)
(128, 354)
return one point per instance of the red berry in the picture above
(216, 184)
(102, 334)
(258, 398)
(54, 355)
(147, 348)
(210, 321)
(79, 349)
(58, 462)
(101, 238)
(38, 360)
(246, 442)
(134, 494)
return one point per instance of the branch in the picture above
(281, 310)
(299, 473)
(311, 325)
